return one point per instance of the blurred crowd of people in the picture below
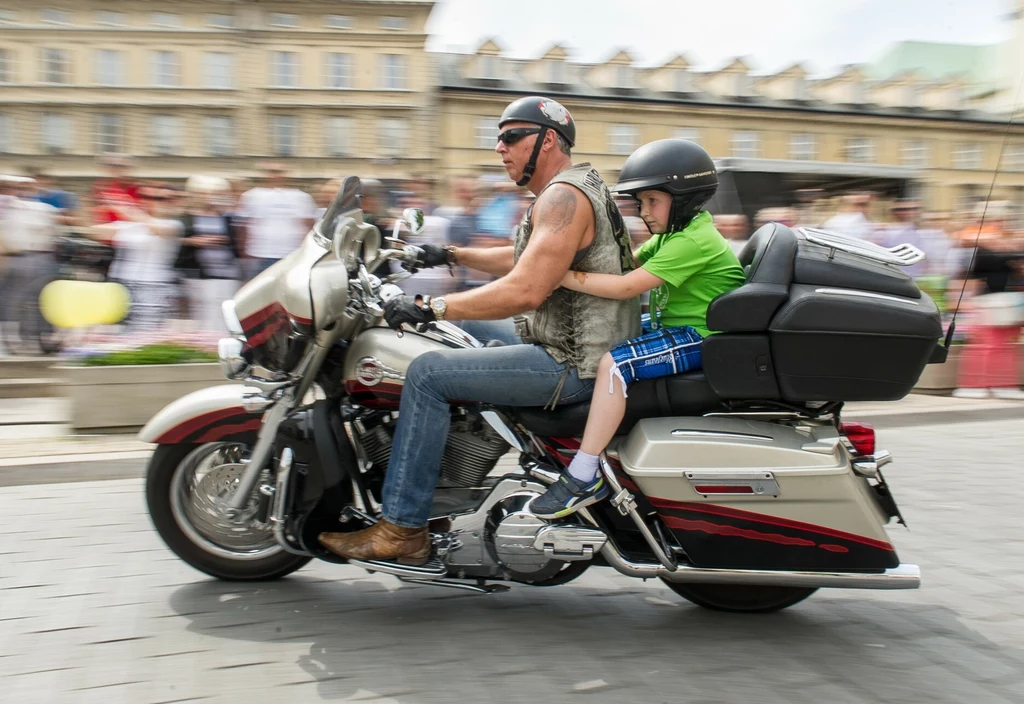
(182, 249)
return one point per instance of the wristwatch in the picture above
(439, 306)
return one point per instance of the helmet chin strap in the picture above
(531, 165)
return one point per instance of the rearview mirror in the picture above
(413, 218)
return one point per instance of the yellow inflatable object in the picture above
(82, 304)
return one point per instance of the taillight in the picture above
(860, 435)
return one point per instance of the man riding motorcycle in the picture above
(574, 224)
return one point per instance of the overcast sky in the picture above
(770, 34)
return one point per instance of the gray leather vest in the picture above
(574, 327)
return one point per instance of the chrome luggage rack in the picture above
(900, 255)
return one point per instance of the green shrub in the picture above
(163, 353)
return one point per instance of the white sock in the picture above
(583, 467)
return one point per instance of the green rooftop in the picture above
(978, 64)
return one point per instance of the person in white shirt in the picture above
(145, 248)
(28, 234)
(276, 219)
(852, 219)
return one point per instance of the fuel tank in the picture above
(377, 361)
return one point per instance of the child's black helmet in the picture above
(678, 167)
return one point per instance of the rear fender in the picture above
(210, 415)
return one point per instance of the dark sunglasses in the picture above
(513, 135)
(155, 198)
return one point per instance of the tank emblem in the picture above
(370, 371)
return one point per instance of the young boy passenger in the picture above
(686, 265)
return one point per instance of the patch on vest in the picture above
(621, 235)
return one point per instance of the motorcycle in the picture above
(741, 486)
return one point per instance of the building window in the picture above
(6, 66)
(682, 81)
(488, 66)
(285, 132)
(486, 132)
(220, 21)
(109, 134)
(166, 136)
(915, 153)
(339, 22)
(220, 70)
(743, 85)
(394, 69)
(6, 133)
(165, 19)
(1013, 159)
(622, 139)
(746, 144)
(56, 17)
(219, 135)
(166, 69)
(396, 23)
(56, 66)
(339, 71)
(392, 137)
(281, 19)
(803, 147)
(800, 91)
(8, 16)
(860, 150)
(109, 18)
(556, 71)
(56, 134)
(338, 136)
(110, 67)
(688, 133)
(285, 70)
(623, 76)
(967, 155)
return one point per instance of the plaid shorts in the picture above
(663, 352)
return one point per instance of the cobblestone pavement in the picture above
(93, 608)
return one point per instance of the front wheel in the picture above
(186, 487)
(741, 598)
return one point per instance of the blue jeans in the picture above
(513, 375)
(254, 267)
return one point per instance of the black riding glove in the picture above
(432, 255)
(405, 309)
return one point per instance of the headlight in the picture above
(234, 363)
(231, 318)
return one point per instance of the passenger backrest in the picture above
(767, 260)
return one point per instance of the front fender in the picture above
(208, 415)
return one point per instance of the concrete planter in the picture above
(121, 398)
(940, 379)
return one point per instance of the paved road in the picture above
(93, 608)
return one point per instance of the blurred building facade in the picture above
(940, 131)
(332, 87)
(217, 85)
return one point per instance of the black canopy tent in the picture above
(748, 185)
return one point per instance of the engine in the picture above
(472, 450)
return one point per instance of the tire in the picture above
(741, 598)
(165, 474)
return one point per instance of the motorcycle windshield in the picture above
(348, 198)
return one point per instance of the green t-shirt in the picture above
(697, 265)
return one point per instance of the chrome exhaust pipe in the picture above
(900, 577)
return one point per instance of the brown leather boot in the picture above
(381, 541)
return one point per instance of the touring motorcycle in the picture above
(742, 487)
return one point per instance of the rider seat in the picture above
(686, 394)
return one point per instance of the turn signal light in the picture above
(860, 435)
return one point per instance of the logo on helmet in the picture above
(555, 112)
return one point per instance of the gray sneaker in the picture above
(567, 496)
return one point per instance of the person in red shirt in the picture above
(115, 190)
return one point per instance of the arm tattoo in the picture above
(561, 208)
(580, 276)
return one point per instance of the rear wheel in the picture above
(741, 598)
(186, 490)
